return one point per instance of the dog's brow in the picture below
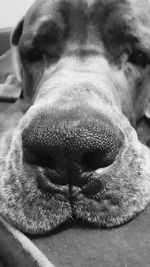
(114, 21)
(141, 11)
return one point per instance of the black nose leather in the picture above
(65, 146)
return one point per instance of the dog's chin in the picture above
(112, 196)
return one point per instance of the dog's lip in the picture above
(46, 182)
(92, 188)
(48, 186)
(91, 191)
(107, 199)
(52, 182)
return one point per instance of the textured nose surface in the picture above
(66, 146)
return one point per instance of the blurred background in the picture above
(11, 11)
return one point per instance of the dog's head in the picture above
(74, 153)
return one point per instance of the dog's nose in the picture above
(70, 147)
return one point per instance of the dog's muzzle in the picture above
(74, 156)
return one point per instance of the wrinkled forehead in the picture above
(114, 17)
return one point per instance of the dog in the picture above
(69, 149)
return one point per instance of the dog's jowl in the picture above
(68, 147)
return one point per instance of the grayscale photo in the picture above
(75, 133)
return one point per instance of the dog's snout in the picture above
(70, 148)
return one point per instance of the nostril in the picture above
(47, 162)
(40, 159)
(104, 155)
(94, 160)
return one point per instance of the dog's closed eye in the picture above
(28, 50)
(139, 58)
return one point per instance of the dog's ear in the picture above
(15, 37)
(147, 110)
(11, 69)
(147, 103)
